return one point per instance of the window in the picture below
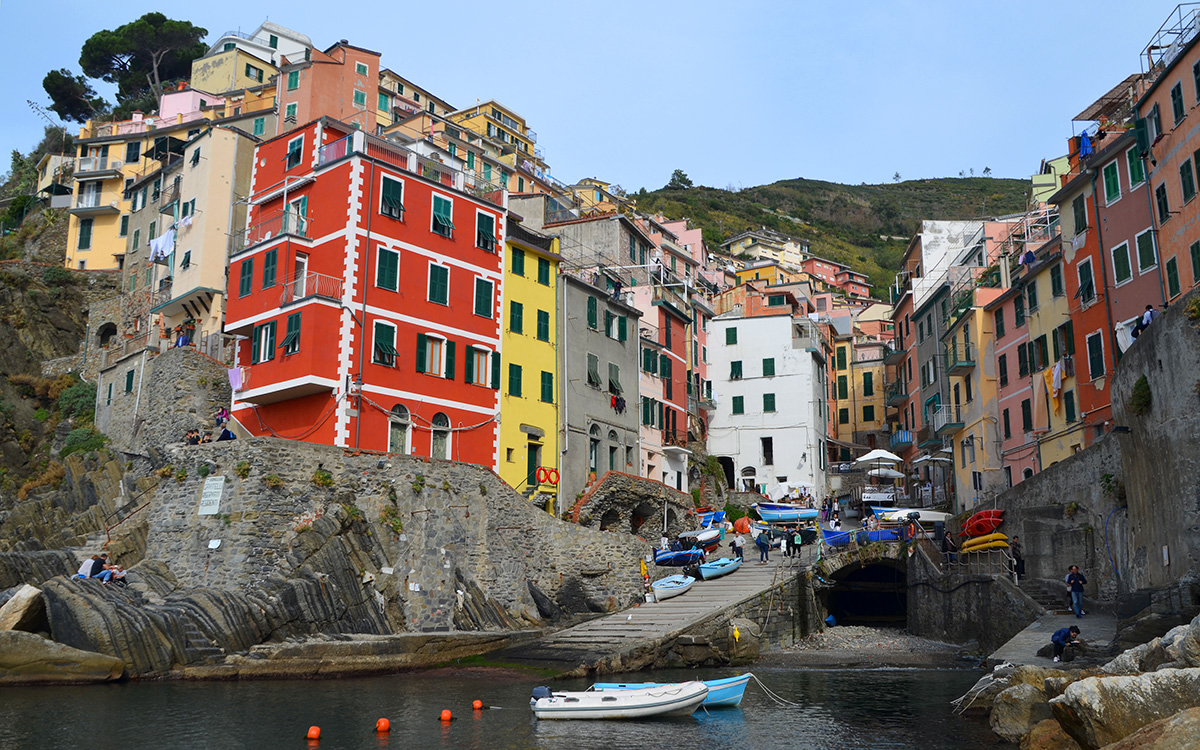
(1042, 352)
(735, 370)
(543, 272)
(133, 151)
(85, 234)
(614, 378)
(518, 261)
(391, 199)
(1003, 367)
(869, 413)
(1095, 349)
(1145, 249)
(291, 339)
(293, 82)
(253, 73)
(295, 147)
(1022, 361)
(593, 370)
(387, 270)
(129, 381)
(843, 416)
(592, 314)
(385, 103)
(1187, 180)
(841, 358)
(361, 69)
(289, 112)
(1007, 426)
(738, 405)
(439, 445)
(262, 346)
(1019, 311)
(841, 386)
(543, 325)
(768, 451)
(1172, 278)
(1177, 102)
(1137, 171)
(1164, 207)
(477, 366)
(483, 297)
(430, 359)
(768, 367)
(514, 380)
(269, 264)
(383, 348)
(730, 336)
(1031, 295)
(868, 384)
(1154, 123)
(547, 387)
(273, 43)
(1079, 210)
(125, 225)
(1195, 251)
(516, 317)
(1069, 405)
(360, 99)
(649, 361)
(187, 260)
(1112, 182)
(443, 212)
(1122, 271)
(773, 300)
(1087, 284)
(485, 232)
(439, 284)
(1064, 340)
(1056, 280)
(246, 281)
(998, 317)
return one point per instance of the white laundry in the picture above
(163, 245)
(1058, 376)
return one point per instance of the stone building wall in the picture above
(618, 500)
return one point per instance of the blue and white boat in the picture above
(718, 568)
(665, 588)
(784, 513)
(669, 558)
(723, 693)
(711, 518)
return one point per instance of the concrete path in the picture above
(1094, 629)
(612, 634)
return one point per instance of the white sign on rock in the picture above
(210, 499)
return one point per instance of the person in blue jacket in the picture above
(1063, 638)
(1075, 581)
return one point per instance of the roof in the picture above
(1113, 101)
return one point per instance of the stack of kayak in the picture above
(638, 700)
(981, 532)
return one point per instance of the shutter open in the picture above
(422, 351)
(450, 360)
(469, 364)
(496, 370)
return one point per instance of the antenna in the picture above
(41, 112)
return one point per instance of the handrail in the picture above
(118, 512)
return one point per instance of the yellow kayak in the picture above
(974, 541)
(986, 546)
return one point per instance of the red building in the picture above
(366, 295)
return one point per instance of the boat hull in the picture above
(677, 558)
(976, 541)
(784, 514)
(724, 693)
(985, 547)
(981, 526)
(666, 700)
(671, 586)
(718, 568)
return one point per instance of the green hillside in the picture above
(864, 226)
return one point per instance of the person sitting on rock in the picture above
(98, 565)
(118, 576)
(1063, 638)
(85, 570)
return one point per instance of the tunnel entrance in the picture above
(869, 595)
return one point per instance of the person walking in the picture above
(739, 544)
(1075, 582)
(1063, 638)
(764, 548)
(1018, 557)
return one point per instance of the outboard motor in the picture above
(541, 692)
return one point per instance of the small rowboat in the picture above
(678, 558)
(784, 513)
(671, 586)
(723, 693)
(679, 699)
(705, 539)
(976, 541)
(711, 517)
(718, 568)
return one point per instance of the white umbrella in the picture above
(879, 455)
(886, 473)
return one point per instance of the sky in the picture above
(735, 94)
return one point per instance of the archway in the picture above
(749, 479)
(610, 519)
(872, 594)
(399, 425)
(105, 334)
(440, 444)
(643, 514)
(727, 467)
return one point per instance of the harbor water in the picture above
(836, 709)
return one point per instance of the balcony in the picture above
(90, 203)
(947, 420)
(97, 168)
(926, 438)
(276, 225)
(119, 349)
(960, 358)
(895, 352)
(168, 198)
(895, 394)
(309, 285)
(901, 439)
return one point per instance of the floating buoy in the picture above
(314, 733)
(383, 725)
(446, 716)
(477, 705)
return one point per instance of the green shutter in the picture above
(469, 365)
(247, 278)
(422, 351)
(85, 234)
(384, 338)
(1112, 184)
(664, 367)
(735, 369)
(591, 313)
(1122, 271)
(547, 387)
(496, 370)
(1095, 346)
(269, 260)
(392, 199)
(129, 381)
(768, 402)
(737, 405)
(483, 298)
(841, 359)
(1068, 329)
(1056, 280)
(647, 411)
(868, 383)
(514, 379)
(449, 360)
(731, 335)
(1069, 405)
(255, 343)
(439, 283)
(869, 413)
(1172, 278)
(292, 339)
(543, 325)
(387, 273)
(1145, 247)
(768, 367)
(608, 322)
(518, 261)
(443, 216)
(516, 317)
(841, 386)
(1137, 172)
(485, 232)
(621, 332)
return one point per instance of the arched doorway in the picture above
(105, 334)
(727, 468)
(594, 449)
(440, 444)
(875, 594)
(749, 479)
(399, 428)
(613, 447)
(610, 519)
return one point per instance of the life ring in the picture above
(552, 476)
(540, 474)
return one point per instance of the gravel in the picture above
(858, 637)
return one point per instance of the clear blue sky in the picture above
(734, 93)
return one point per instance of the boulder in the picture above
(1178, 732)
(1048, 735)
(1188, 644)
(1016, 710)
(24, 611)
(1171, 640)
(1098, 711)
(1144, 658)
(29, 659)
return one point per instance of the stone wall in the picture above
(618, 500)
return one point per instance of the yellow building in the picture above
(529, 384)
(499, 123)
(768, 271)
(232, 69)
(1052, 345)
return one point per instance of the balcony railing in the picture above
(280, 223)
(894, 393)
(926, 437)
(960, 357)
(947, 419)
(85, 164)
(118, 349)
(901, 439)
(308, 285)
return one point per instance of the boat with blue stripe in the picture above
(723, 693)
(718, 568)
(784, 513)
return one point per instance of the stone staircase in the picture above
(198, 647)
(1052, 597)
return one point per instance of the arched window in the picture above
(749, 477)
(1026, 473)
(106, 333)
(440, 447)
(612, 451)
(399, 426)
(594, 449)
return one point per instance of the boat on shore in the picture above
(900, 515)
(705, 539)
(718, 568)
(784, 512)
(670, 558)
(671, 586)
(679, 699)
(724, 693)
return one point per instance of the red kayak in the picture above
(981, 526)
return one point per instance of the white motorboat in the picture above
(679, 699)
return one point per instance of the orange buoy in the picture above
(477, 705)
(446, 714)
(383, 725)
(314, 733)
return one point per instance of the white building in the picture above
(769, 384)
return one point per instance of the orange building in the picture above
(341, 83)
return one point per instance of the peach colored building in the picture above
(341, 83)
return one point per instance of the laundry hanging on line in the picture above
(163, 245)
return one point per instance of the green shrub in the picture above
(78, 400)
(733, 512)
(203, 471)
(57, 275)
(82, 439)
(243, 469)
(322, 478)
(41, 415)
(1140, 399)
(273, 481)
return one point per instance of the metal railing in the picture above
(894, 392)
(946, 415)
(959, 356)
(94, 200)
(123, 348)
(901, 439)
(96, 164)
(279, 223)
(311, 285)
